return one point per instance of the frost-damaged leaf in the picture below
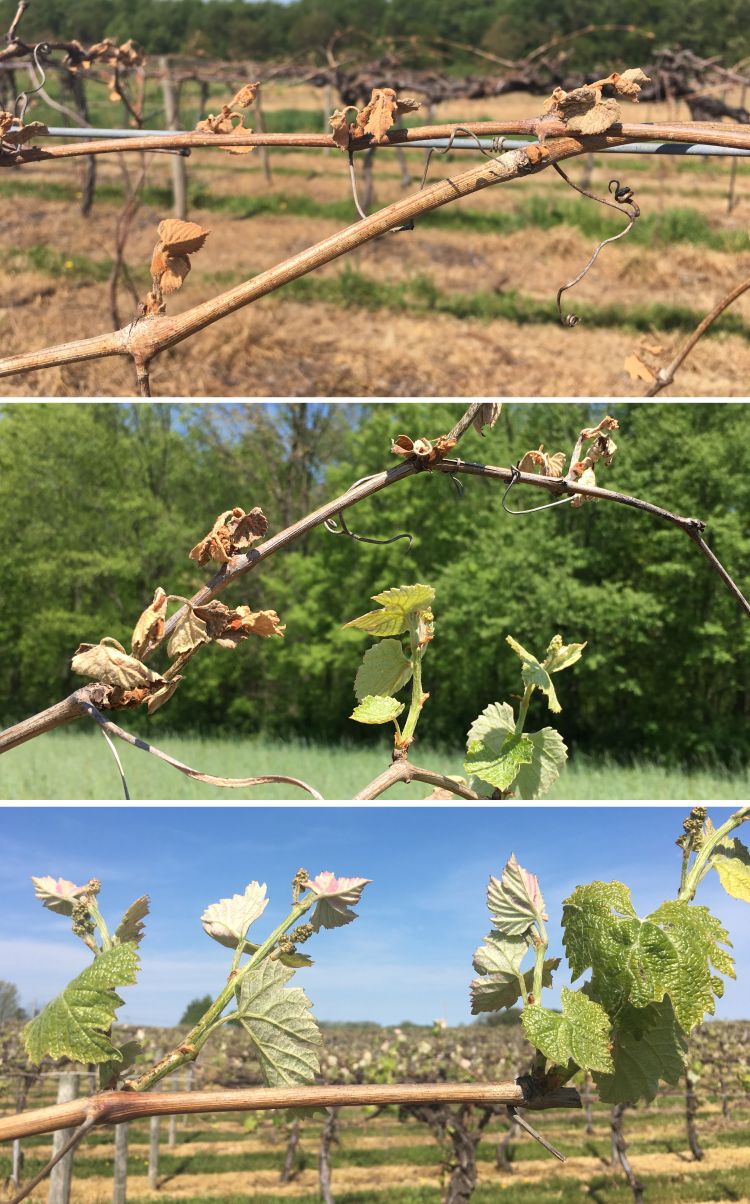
(582, 1032)
(561, 656)
(376, 709)
(380, 113)
(336, 898)
(585, 111)
(534, 674)
(587, 477)
(232, 531)
(189, 633)
(549, 466)
(514, 900)
(228, 920)
(109, 662)
(649, 1048)
(163, 694)
(498, 761)
(339, 124)
(278, 1020)
(131, 928)
(243, 622)
(670, 952)
(58, 894)
(230, 121)
(384, 670)
(398, 607)
(638, 370)
(732, 863)
(23, 133)
(75, 1025)
(170, 262)
(149, 629)
(487, 415)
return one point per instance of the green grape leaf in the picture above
(670, 952)
(561, 656)
(377, 709)
(514, 900)
(497, 717)
(109, 1072)
(498, 962)
(75, 1024)
(732, 863)
(535, 674)
(279, 1022)
(582, 1032)
(548, 757)
(228, 920)
(398, 605)
(409, 598)
(131, 927)
(384, 670)
(498, 761)
(649, 1047)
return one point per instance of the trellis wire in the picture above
(490, 144)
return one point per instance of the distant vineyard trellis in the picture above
(578, 120)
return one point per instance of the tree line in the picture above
(100, 503)
(270, 29)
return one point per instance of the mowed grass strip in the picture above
(428, 1155)
(352, 289)
(670, 226)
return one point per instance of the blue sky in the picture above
(408, 956)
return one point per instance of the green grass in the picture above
(78, 765)
(671, 226)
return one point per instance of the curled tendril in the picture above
(332, 526)
(22, 100)
(625, 203)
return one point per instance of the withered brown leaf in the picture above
(585, 111)
(108, 662)
(638, 370)
(487, 415)
(163, 694)
(189, 633)
(232, 531)
(150, 626)
(243, 621)
(548, 465)
(380, 113)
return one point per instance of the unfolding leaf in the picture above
(400, 607)
(59, 895)
(732, 863)
(649, 1048)
(384, 670)
(109, 1072)
(499, 987)
(76, 1023)
(561, 656)
(228, 920)
(149, 629)
(278, 1020)
(498, 761)
(377, 709)
(581, 1033)
(336, 897)
(131, 927)
(534, 674)
(188, 634)
(515, 900)
(110, 663)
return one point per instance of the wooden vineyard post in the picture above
(62, 1174)
(153, 1153)
(172, 118)
(120, 1177)
(260, 122)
